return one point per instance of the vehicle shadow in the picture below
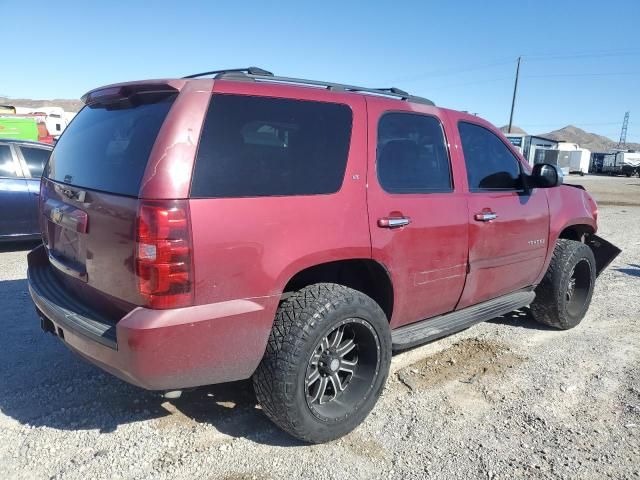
(45, 384)
(521, 318)
(26, 246)
(634, 271)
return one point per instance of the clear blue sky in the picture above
(581, 59)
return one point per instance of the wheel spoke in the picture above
(320, 390)
(337, 383)
(324, 344)
(345, 348)
(349, 367)
(315, 375)
(337, 339)
(315, 358)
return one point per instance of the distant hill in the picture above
(592, 141)
(67, 105)
(514, 129)
(571, 134)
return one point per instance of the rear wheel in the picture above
(326, 362)
(564, 295)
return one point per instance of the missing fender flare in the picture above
(604, 252)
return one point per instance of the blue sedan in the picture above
(21, 166)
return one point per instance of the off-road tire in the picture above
(552, 305)
(301, 322)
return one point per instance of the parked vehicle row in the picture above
(622, 163)
(25, 127)
(21, 166)
(205, 230)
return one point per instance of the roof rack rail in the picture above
(249, 70)
(259, 74)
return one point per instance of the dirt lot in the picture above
(620, 191)
(504, 399)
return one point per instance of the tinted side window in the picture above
(36, 159)
(412, 156)
(257, 146)
(490, 164)
(7, 165)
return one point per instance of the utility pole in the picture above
(515, 90)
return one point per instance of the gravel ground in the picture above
(504, 399)
(619, 191)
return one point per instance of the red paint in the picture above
(245, 250)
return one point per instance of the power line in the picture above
(589, 74)
(509, 60)
(451, 71)
(566, 56)
(559, 75)
(556, 125)
(475, 82)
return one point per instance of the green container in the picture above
(19, 128)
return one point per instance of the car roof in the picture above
(30, 143)
(258, 75)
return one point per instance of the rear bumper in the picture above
(157, 349)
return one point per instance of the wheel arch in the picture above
(603, 251)
(363, 274)
(577, 232)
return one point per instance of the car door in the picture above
(417, 216)
(33, 160)
(508, 224)
(14, 195)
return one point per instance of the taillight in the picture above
(164, 254)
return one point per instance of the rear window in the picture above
(106, 148)
(257, 146)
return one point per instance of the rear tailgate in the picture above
(89, 195)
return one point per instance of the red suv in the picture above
(204, 230)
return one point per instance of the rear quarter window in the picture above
(258, 146)
(36, 159)
(107, 147)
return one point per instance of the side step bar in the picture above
(426, 330)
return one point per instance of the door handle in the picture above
(485, 216)
(393, 222)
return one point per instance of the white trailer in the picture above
(578, 158)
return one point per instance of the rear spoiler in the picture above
(119, 94)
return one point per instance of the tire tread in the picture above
(295, 319)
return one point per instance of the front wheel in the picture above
(326, 362)
(564, 295)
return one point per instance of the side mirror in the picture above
(545, 175)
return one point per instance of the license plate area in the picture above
(65, 237)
